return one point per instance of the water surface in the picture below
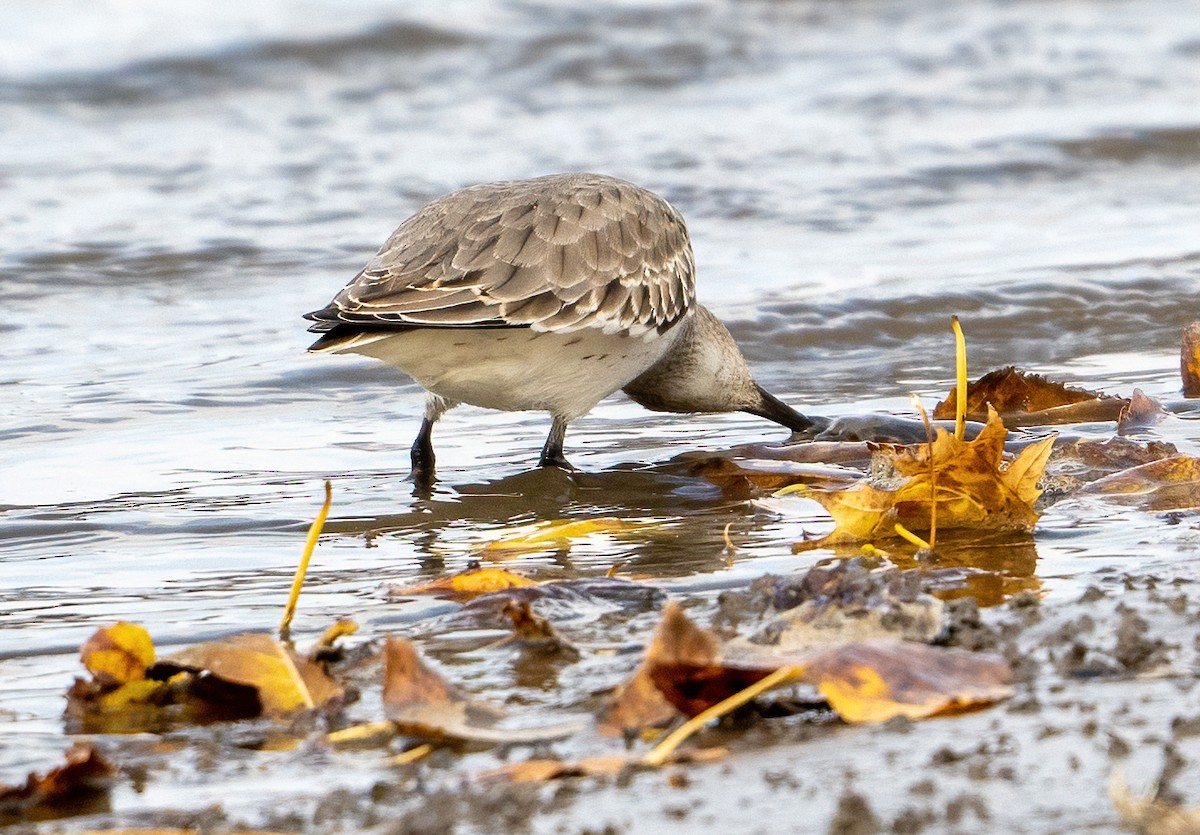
(178, 186)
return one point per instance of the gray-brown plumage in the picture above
(544, 294)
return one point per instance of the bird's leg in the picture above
(422, 449)
(552, 452)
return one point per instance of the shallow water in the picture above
(177, 187)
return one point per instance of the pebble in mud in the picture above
(854, 816)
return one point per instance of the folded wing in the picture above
(557, 253)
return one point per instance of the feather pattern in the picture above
(558, 253)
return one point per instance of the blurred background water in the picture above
(180, 182)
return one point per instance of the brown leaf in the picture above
(536, 633)
(85, 773)
(1109, 456)
(681, 673)
(423, 703)
(876, 681)
(1169, 484)
(1189, 360)
(743, 476)
(1140, 413)
(870, 681)
(283, 680)
(1024, 399)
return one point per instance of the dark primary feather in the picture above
(563, 252)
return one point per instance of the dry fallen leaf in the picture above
(468, 584)
(863, 682)
(421, 702)
(876, 681)
(1024, 399)
(283, 680)
(1170, 484)
(557, 535)
(85, 773)
(971, 486)
(118, 654)
(679, 648)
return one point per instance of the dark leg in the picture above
(422, 448)
(422, 453)
(552, 452)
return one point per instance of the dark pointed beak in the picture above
(772, 408)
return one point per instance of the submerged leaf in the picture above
(283, 680)
(742, 476)
(118, 654)
(1169, 484)
(421, 702)
(876, 681)
(468, 584)
(558, 534)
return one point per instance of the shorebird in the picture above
(547, 294)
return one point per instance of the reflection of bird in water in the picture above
(546, 294)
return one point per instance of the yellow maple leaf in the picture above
(967, 480)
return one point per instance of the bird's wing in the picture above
(559, 253)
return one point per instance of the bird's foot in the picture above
(558, 460)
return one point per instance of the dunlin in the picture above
(549, 295)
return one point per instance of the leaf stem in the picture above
(314, 532)
(960, 367)
(905, 533)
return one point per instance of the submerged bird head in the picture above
(704, 371)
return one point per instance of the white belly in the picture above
(518, 369)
